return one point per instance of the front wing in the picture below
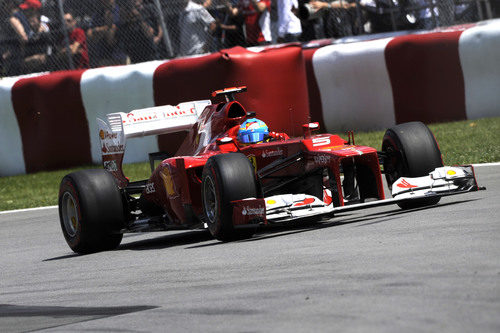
(442, 181)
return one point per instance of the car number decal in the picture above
(322, 141)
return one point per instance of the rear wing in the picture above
(157, 120)
(121, 126)
(229, 92)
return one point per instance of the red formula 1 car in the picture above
(215, 182)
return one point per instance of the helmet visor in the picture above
(252, 137)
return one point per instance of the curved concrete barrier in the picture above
(11, 144)
(119, 89)
(479, 49)
(354, 85)
(444, 75)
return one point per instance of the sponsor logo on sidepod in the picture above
(322, 159)
(272, 153)
(110, 166)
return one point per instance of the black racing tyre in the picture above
(91, 211)
(227, 177)
(412, 151)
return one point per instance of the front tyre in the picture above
(91, 211)
(411, 151)
(226, 177)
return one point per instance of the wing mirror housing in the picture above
(309, 128)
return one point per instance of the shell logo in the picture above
(166, 175)
(253, 160)
(451, 173)
(271, 202)
(101, 134)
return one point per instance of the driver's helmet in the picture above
(252, 130)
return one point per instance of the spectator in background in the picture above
(150, 13)
(466, 13)
(389, 15)
(229, 24)
(10, 46)
(50, 10)
(436, 14)
(205, 3)
(257, 14)
(196, 26)
(38, 48)
(339, 17)
(427, 15)
(101, 37)
(82, 11)
(20, 19)
(139, 32)
(28, 30)
(289, 26)
(77, 44)
(312, 21)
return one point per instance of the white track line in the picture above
(51, 207)
(26, 210)
(486, 164)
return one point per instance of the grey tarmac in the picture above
(376, 270)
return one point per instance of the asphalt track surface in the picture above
(378, 270)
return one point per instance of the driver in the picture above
(254, 130)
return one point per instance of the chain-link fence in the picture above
(49, 35)
(353, 17)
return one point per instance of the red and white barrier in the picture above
(479, 49)
(119, 89)
(11, 145)
(48, 121)
(437, 76)
(354, 85)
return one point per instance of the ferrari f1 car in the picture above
(215, 182)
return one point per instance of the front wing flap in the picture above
(442, 181)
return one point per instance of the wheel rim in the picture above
(70, 214)
(210, 200)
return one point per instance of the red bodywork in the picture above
(175, 185)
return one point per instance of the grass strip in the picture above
(462, 142)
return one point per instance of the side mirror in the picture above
(307, 129)
(227, 144)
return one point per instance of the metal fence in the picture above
(49, 35)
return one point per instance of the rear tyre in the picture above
(227, 177)
(91, 211)
(412, 151)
